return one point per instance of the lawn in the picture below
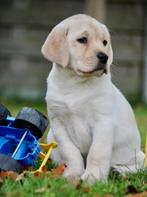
(52, 185)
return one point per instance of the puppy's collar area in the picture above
(69, 74)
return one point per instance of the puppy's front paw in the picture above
(73, 173)
(90, 177)
(93, 175)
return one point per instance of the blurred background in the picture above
(24, 25)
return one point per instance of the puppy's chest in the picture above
(78, 118)
(80, 131)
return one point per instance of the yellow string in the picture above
(146, 153)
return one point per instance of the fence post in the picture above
(145, 57)
(96, 8)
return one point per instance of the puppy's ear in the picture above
(55, 47)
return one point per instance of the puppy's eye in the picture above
(105, 42)
(82, 40)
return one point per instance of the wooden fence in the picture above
(24, 25)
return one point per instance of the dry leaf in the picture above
(8, 194)
(40, 190)
(79, 184)
(142, 194)
(131, 190)
(87, 190)
(59, 170)
(8, 174)
(96, 195)
(1, 182)
(107, 195)
(21, 176)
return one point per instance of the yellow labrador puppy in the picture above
(90, 119)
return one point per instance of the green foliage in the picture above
(141, 117)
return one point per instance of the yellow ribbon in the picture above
(146, 153)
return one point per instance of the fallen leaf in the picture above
(1, 182)
(59, 170)
(40, 190)
(79, 184)
(87, 190)
(16, 194)
(107, 195)
(96, 195)
(8, 174)
(8, 194)
(21, 176)
(131, 190)
(142, 194)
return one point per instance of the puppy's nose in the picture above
(102, 57)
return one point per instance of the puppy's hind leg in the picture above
(133, 166)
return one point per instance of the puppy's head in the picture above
(80, 43)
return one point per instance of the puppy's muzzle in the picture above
(101, 66)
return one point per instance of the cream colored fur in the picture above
(90, 119)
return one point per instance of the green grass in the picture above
(53, 186)
(141, 117)
(15, 105)
(57, 186)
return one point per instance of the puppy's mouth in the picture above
(99, 68)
